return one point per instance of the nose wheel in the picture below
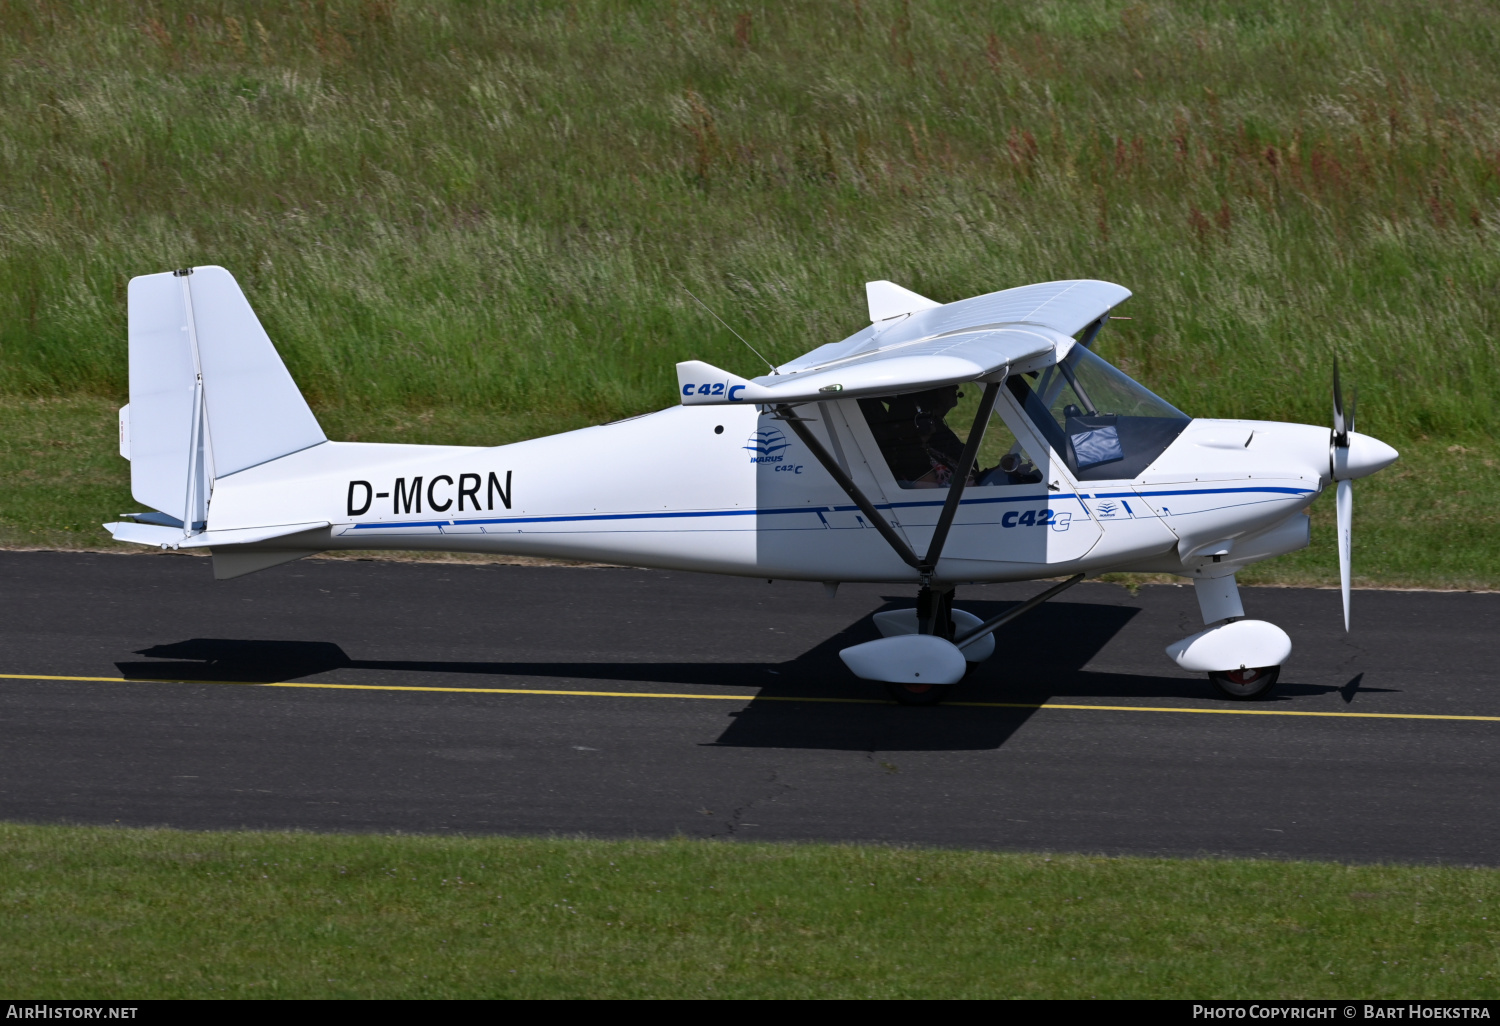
(1246, 685)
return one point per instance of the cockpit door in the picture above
(1022, 505)
(1040, 521)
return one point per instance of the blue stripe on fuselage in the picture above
(1042, 497)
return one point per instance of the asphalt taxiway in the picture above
(372, 695)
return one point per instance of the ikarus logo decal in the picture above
(1112, 509)
(767, 446)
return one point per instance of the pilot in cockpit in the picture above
(922, 450)
(910, 429)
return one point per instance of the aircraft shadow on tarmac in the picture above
(1040, 657)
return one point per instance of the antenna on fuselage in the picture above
(736, 334)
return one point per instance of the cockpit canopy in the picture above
(1103, 424)
(1106, 425)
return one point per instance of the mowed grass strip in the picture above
(99, 912)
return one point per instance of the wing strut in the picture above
(961, 474)
(1092, 331)
(926, 623)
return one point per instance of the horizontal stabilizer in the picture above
(173, 538)
(250, 535)
(146, 534)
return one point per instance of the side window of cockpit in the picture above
(1002, 460)
(922, 436)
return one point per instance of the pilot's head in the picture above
(932, 406)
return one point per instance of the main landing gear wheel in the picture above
(917, 694)
(1246, 685)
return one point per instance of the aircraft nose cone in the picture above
(1364, 457)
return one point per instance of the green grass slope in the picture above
(137, 914)
(475, 223)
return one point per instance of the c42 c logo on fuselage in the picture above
(717, 388)
(1037, 518)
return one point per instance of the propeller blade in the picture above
(1345, 502)
(1340, 432)
(1353, 398)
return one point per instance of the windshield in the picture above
(1104, 424)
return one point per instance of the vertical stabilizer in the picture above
(209, 395)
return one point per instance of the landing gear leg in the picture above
(935, 612)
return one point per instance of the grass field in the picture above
(474, 223)
(135, 914)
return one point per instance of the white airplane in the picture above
(837, 466)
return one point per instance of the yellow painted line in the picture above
(477, 691)
(587, 694)
(1228, 712)
(29, 676)
(758, 698)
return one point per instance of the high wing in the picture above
(902, 367)
(1005, 332)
